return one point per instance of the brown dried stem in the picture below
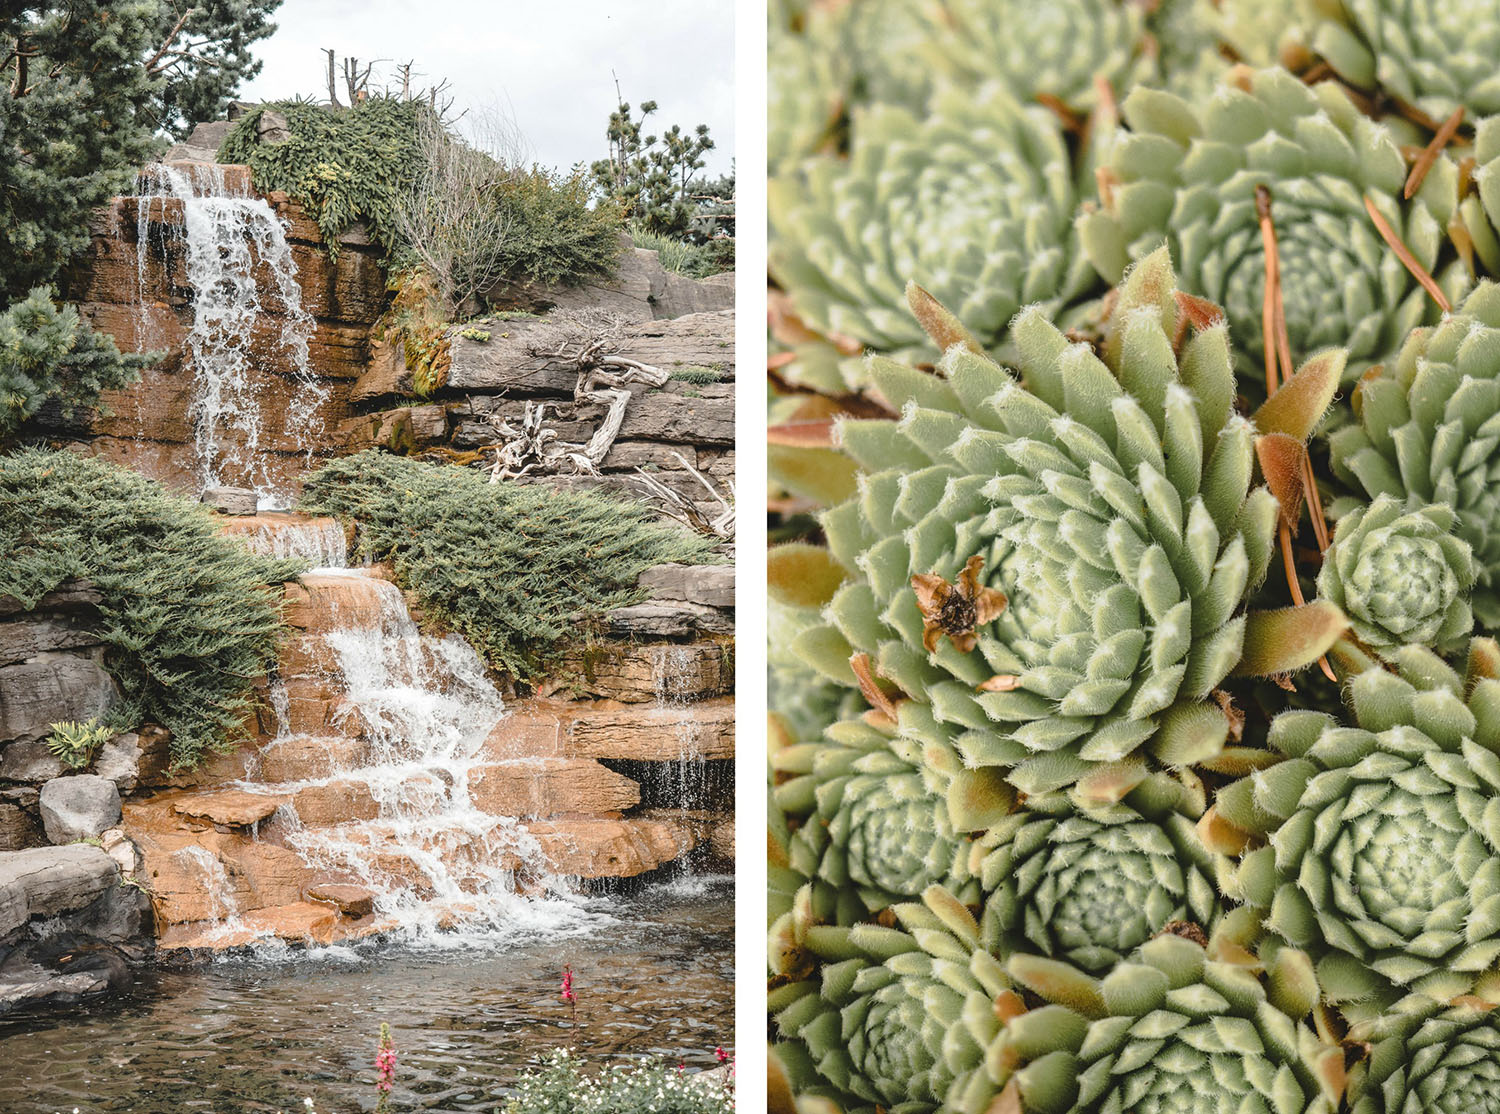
(1408, 260)
(1278, 346)
(1424, 162)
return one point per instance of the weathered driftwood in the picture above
(675, 505)
(582, 339)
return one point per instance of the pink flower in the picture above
(720, 1054)
(385, 1065)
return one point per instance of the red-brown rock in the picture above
(542, 787)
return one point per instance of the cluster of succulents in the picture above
(1135, 567)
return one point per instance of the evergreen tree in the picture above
(85, 85)
(205, 55)
(75, 123)
(650, 175)
(47, 353)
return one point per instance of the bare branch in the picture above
(333, 89)
(451, 217)
(171, 35)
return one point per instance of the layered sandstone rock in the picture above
(136, 289)
(237, 857)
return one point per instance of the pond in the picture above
(653, 974)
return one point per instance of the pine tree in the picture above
(204, 56)
(649, 175)
(85, 85)
(47, 353)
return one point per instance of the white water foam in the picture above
(232, 241)
(320, 542)
(445, 872)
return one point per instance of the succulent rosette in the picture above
(804, 88)
(1382, 852)
(911, 1019)
(1428, 431)
(1172, 1031)
(973, 200)
(1429, 1058)
(1199, 177)
(870, 823)
(1090, 885)
(1434, 55)
(1103, 507)
(1060, 50)
(1401, 576)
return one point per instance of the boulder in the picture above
(654, 733)
(231, 500)
(508, 361)
(51, 687)
(637, 672)
(50, 881)
(119, 760)
(543, 787)
(69, 596)
(229, 808)
(298, 922)
(26, 638)
(667, 619)
(33, 987)
(335, 802)
(80, 806)
(17, 828)
(29, 761)
(116, 844)
(612, 848)
(307, 757)
(708, 585)
(352, 901)
(683, 295)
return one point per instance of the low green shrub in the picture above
(514, 568)
(344, 165)
(683, 258)
(560, 1086)
(697, 375)
(188, 622)
(360, 164)
(556, 235)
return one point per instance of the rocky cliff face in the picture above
(133, 284)
(381, 778)
(619, 767)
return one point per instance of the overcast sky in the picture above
(548, 63)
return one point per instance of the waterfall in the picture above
(417, 711)
(236, 247)
(319, 541)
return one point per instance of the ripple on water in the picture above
(258, 1034)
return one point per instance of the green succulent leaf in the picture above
(1427, 432)
(1189, 174)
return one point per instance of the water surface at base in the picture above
(654, 975)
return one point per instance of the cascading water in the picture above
(236, 246)
(320, 541)
(421, 709)
(426, 709)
